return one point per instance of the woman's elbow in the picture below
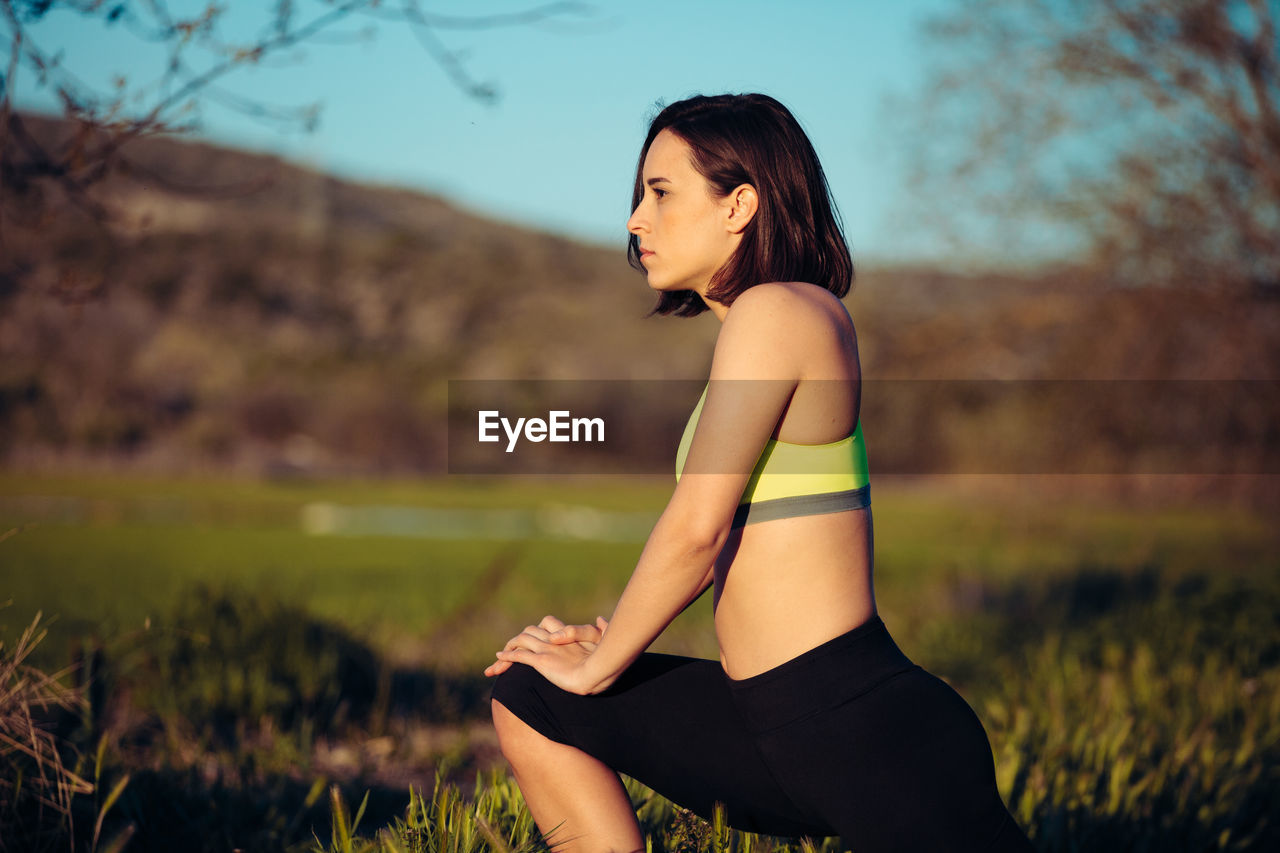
(698, 534)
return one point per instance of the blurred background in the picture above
(244, 248)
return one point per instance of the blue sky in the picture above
(557, 149)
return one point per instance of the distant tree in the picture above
(32, 167)
(1145, 134)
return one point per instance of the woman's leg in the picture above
(578, 803)
(913, 764)
(668, 722)
(885, 752)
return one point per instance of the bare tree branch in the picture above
(1146, 130)
(106, 125)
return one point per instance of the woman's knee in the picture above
(513, 732)
(516, 738)
(521, 744)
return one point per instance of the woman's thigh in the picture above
(670, 723)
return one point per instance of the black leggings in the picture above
(849, 738)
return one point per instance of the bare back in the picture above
(785, 586)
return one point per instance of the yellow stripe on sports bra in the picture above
(796, 479)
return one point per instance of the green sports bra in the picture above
(796, 479)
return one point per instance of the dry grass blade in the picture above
(491, 835)
(29, 753)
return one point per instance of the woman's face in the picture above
(682, 227)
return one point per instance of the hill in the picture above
(243, 312)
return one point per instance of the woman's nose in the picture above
(636, 223)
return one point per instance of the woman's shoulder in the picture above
(787, 305)
(782, 325)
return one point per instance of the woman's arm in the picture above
(676, 566)
(754, 372)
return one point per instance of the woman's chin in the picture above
(665, 286)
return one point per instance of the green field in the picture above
(1123, 658)
(105, 555)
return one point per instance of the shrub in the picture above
(231, 658)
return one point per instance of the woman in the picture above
(812, 722)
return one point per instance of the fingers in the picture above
(531, 633)
(550, 623)
(580, 633)
(497, 668)
(534, 639)
(575, 634)
(559, 664)
(543, 663)
(510, 656)
(567, 634)
(526, 640)
(533, 657)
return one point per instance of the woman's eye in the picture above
(659, 193)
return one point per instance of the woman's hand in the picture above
(541, 639)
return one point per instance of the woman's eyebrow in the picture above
(653, 181)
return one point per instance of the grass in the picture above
(1125, 661)
(107, 555)
(103, 555)
(115, 578)
(36, 785)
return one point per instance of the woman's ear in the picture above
(742, 205)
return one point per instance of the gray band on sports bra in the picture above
(802, 505)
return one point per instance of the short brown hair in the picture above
(796, 233)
